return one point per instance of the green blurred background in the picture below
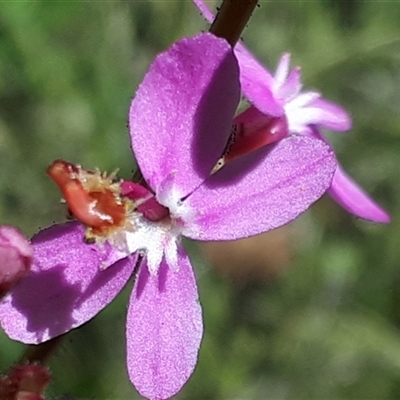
(311, 311)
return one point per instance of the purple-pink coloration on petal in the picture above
(180, 123)
(289, 177)
(66, 286)
(279, 94)
(350, 195)
(305, 112)
(164, 329)
(331, 116)
(186, 100)
(15, 258)
(354, 199)
(256, 83)
(301, 108)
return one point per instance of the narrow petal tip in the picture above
(355, 200)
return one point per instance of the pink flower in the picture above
(180, 122)
(280, 97)
(15, 258)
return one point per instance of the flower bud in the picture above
(15, 258)
(254, 130)
(25, 382)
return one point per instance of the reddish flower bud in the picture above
(15, 258)
(32, 378)
(8, 388)
(24, 382)
(254, 130)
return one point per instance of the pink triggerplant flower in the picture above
(180, 122)
(279, 107)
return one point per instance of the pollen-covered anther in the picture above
(94, 198)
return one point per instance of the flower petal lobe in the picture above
(66, 286)
(354, 199)
(186, 101)
(164, 329)
(245, 199)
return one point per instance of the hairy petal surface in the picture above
(66, 286)
(164, 329)
(289, 177)
(354, 199)
(291, 87)
(186, 101)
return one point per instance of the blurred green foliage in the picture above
(328, 328)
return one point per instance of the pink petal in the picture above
(262, 190)
(164, 330)
(354, 199)
(291, 87)
(327, 115)
(207, 13)
(349, 195)
(66, 286)
(186, 101)
(257, 83)
(282, 70)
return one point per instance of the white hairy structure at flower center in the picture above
(154, 239)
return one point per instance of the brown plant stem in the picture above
(232, 19)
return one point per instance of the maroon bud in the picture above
(31, 378)
(8, 388)
(253, 130)
(24, 382)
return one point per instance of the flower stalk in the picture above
(232, 19)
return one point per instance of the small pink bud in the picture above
(15, 258)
